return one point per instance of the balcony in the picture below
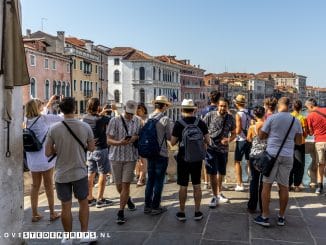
(88, 93)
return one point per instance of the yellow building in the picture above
(84, 71)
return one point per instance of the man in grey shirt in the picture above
(70, 167)
(157, 166)
(274, 130)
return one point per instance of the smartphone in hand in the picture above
(128, 137)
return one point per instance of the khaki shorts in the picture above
(123, 172)
(321, 152)
(281, 171)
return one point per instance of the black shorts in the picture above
(79, 187)
(242, 148)
(217, 163)
(184, 169)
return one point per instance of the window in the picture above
(141, 73)
(95, 68)
(75, 85)
(63, 88)
(81, 65)
(68, 67)
(32, 60)
(47, 89)
(96, 87)
(159, 74)
(54, 65)
(74, 64)
(154, 71)
(81, 85)
(116, 96)
(33, 88)
(58, 88)
(116, 61)
(46, 63)
(116, 76)
(54, 87)
(68, 89)
(142, 95)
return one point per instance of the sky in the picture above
(219, 35)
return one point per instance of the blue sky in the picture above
(219, 35)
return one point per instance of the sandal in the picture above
(140, 183)
(36, 218)
(55, 216)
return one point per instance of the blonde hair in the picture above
(33, 108)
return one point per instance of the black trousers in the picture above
(256, 186)
(297, 171)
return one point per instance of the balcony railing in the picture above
(88, 93)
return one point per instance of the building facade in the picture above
(133, 74)
(49, 72)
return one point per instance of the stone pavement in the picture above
(227, 224)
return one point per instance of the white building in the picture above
(300, 85)
(133, 74)
(256, 90)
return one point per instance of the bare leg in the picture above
(320, 173)
(197, 197)
(83, 214)
(219, 184)
(101, 186)
(238, 171)
(36, 183)
(48, 185)
(90, 186)
(66, 216)
(182, 198)
(124, 195)
(214, 184)
(266, 196)
(284, 197)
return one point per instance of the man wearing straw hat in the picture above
(157, 166)
(184, 169)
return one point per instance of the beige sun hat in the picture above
(188, 104)
(131, 107)
(161, 99)
(240, 99)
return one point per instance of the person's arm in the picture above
(112, 141)
(49, 146)
(264, 131)
(262, 135)
(250, 134)
(233, 135)
(207, 139)
(310, 130)
(91, 145)
(305, 130)
(298, 139)
(238, 127)
(168, 131)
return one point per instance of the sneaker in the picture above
(131, 205)
(92, 203)
(213, 202)
(66, 241)
(121, 218)
(198, 216)
(297, 189)
(103, 203)
(239, 188)
(318, 190)
(147, 210)
(157, 211)
(222, 199)
(262, 221)
(181, 216)
(281, 221)
(88, 240)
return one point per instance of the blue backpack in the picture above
(148, 145)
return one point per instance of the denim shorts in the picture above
(98, 161)
(79, 187)
(216, 164)
(242, 148)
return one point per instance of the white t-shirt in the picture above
(276, 126)
(37, 161)
(245, 124)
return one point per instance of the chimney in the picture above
(88, 45)
(28, 32)
(60, 43)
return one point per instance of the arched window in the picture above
(47, 89)
(68, 90)
(116, 96)
(141, 73)
(142, 95)
(33, 88)
(159, 74)
(116, 76)
(154, 73)
(63, 88)
(58, 88)
(54, 87)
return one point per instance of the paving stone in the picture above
(275, 242)
(162, 238)
(226, 227)
(214, 242)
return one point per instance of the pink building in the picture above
(49, 72)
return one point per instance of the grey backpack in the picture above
(193, 142)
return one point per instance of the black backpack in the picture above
(30, 142)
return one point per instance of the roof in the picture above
(277, 74)
(75, 41)
(120, 51)
(41, 34)
(172, 60)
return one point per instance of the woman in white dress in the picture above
(37, 161)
